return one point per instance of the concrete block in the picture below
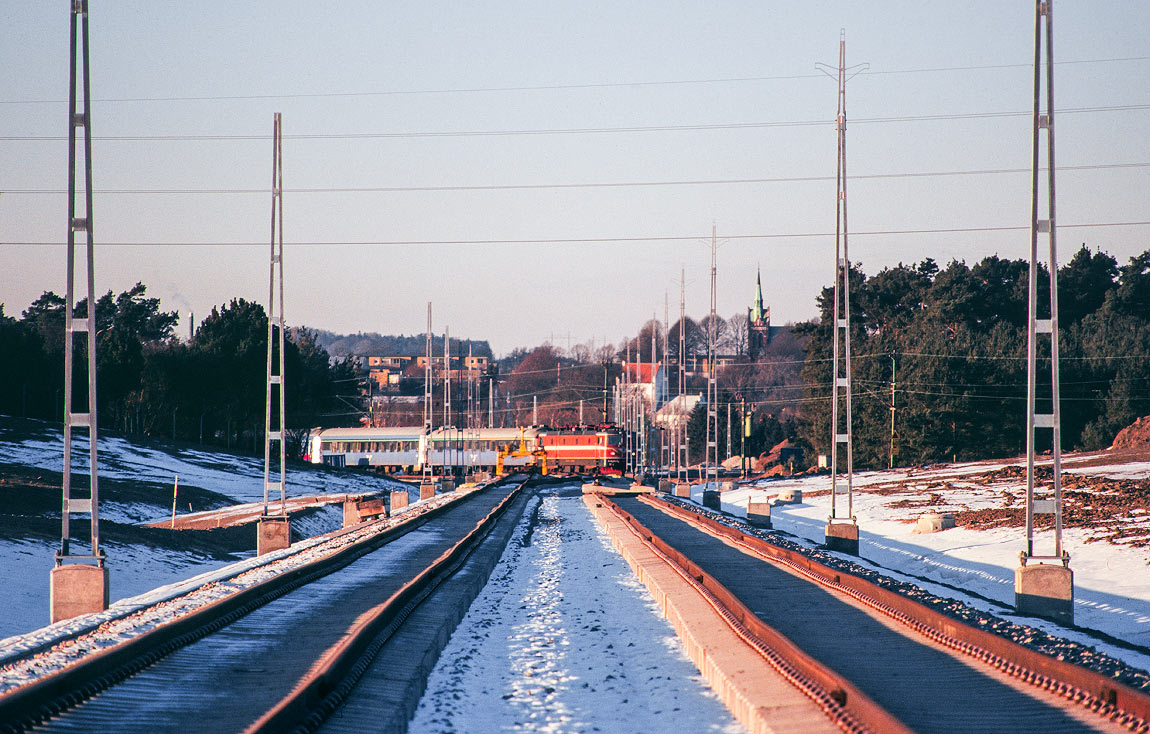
(272, 534)
(727, 487)
(759, 514)
(843, 537)
(446, 485)
(683, 489)
(370, 509)
(789, 497)
(711, 500)
(426, 490)
(76, 589)
(1045, 590)
(350, 514)
(933, 522)
(665, 485)
(399, 500)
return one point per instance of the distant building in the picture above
(758, 323)
(647, 379)
(676, 413)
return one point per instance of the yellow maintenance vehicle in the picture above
(511, 451)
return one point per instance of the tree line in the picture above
(209, 389)
(947, 348)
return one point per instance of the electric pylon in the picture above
(842, 527)
(1044, 589)
(79, 581)
(273, 532)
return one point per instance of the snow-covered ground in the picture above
(136, 487)
(564, 639)
(240, 478)
(976, 566)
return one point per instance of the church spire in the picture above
(757, 311)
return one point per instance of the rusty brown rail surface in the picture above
(250, 512)
(1096, 692)
(328, 682)
(63, 689)
(851, 709)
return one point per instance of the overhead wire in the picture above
(573, 86)
(587, 240)
(589, 184)
(581, 130)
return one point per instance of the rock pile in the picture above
(1134, 436)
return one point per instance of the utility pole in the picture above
(745, 430)
(1045, 588)
(712, 452)
(428, 396)
(446, 376)
(273, 531)
(79, 581)
(427, 374)
(666, 342)
(490, 402)
(892, 409)
(681, 456)
(729, 430)
(842, 527)
(604, 392)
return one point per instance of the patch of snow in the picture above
(564, 639)
(23, 658)
(976, 566)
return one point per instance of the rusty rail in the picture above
(1094, 691)
(336, 672)
(850, 708)
(46, 697)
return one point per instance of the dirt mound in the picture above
(1134, 436)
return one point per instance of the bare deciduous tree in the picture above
(737, 326)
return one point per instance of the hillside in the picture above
(380, 345)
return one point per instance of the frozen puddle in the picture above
(564, 639)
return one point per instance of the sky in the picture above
(546, 171)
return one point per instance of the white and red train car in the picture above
(407, 449)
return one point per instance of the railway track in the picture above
(284, 654)
(872, 659)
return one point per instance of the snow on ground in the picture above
(57, 645)
(144, 472)
(976, 566)
(237, 477)
(563, 639)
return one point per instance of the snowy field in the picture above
(136, 487)
(564, 639)
(239, 478)
(976, 566)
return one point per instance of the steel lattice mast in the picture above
(841, 529)
(275, 372)
(72, 326)
(1043, 589)
(681, 457)
(712, 453)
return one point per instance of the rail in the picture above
(1096, 692)
(52, 694)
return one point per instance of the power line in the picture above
(579, 130)
(590, 240)
(584, 185)
(555, 87)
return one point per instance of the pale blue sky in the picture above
(393, 66)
